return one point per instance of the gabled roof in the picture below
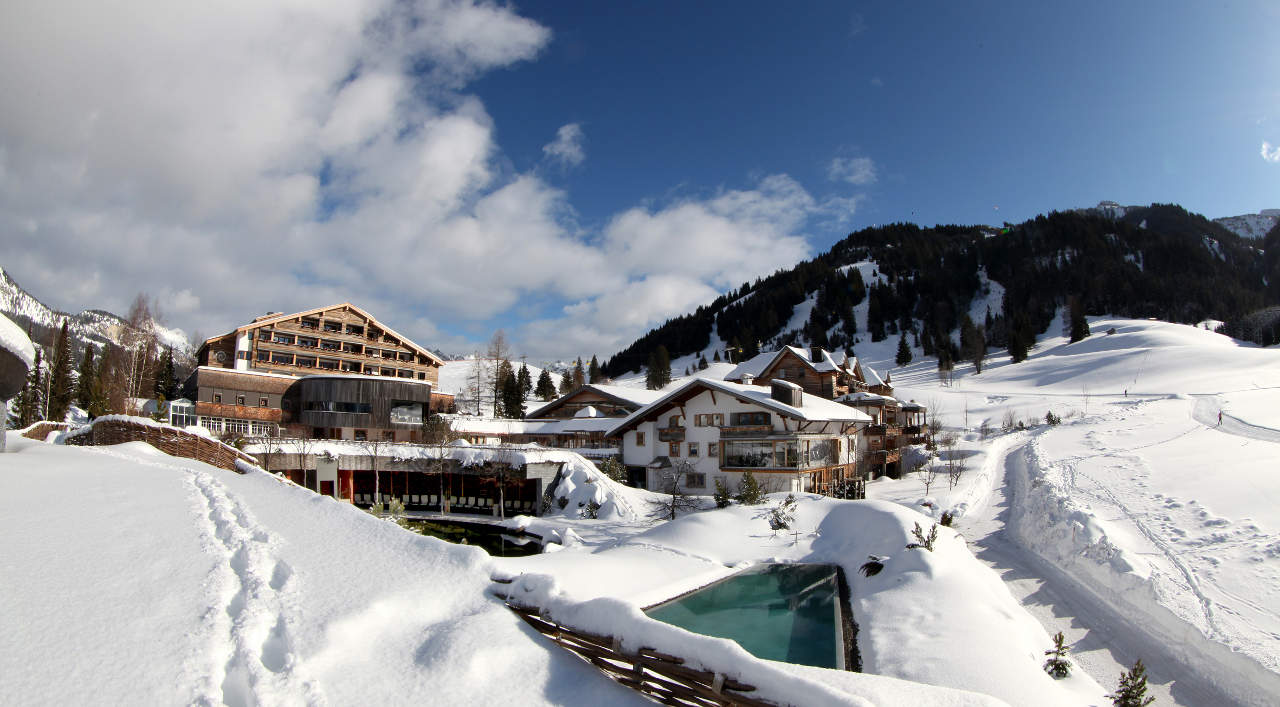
(623, 395)
(828, 362)
(814, 408)
(273, 319)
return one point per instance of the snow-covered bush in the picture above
(923, 541)
(721, 494)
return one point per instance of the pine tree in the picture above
(31, 401)
(749, 491)
(512, 398)
(505, 381)
(524, 381)
(973, 344)
(87, 378)
(566, 383)
(546, 389)
(594, 374)
(1079, 325)
(1057, 664)
(1133, 688)
(166, 378)
(579, 374)
(60, 390)
(904, 351)
(702, 363)
(716, 358)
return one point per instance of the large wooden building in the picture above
(334, 372)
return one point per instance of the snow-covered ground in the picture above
(1140, 525)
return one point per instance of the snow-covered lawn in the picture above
(1140, 506)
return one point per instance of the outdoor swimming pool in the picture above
(784, 612)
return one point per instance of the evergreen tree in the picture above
(60, 390)
(594, 374)
(659, 370)
(749, 491)
(87, 377)
(524, 381)
(505, 381)
(702, 363)
(904, 351)
(512, 397)
(31, 401)
(973, 344)
(546, 389)
(1079, 325)
(1133, 688)
(166, 385)
(716, 358)
(566, 383)
(1057, 664)
(579, 374)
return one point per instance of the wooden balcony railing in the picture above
(670, 434)
(745, 431)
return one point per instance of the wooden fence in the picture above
(170, 440)
(40, 430)
(662, 677)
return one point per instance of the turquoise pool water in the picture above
(789, 613)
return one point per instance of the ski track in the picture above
(256, 609)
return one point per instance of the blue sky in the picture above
(577, 172)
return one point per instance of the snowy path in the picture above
(1102, 642)
(1206, 412)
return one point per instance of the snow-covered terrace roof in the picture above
(15, 341)
(866, 399)
(495, 426)
(812, 409)
(618, 393)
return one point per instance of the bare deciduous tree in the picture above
(671, 484)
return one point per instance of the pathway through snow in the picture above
(1102, 643)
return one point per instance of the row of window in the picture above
(241, 400)
(693, 449)
(333, 364)
(338, 406)
(223, 425)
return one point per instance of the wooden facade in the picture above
(341, 338)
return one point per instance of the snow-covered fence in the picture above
(664, 677)
(40, 430)
(118, 429)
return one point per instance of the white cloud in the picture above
(854, 170)
(234, 159)
(1269, 153)
(567, 147)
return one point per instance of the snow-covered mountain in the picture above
(1251, 225)
(92, 326)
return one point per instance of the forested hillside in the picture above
(1158, 261)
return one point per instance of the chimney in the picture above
(748, 379)
(815, 354)
(786, 392)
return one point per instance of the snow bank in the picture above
(1048, 520)
(14, 340)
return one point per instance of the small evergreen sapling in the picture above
(924, 541)
(1057, 664)
(749, 491)
(1133, 688)
(721, 494)
(783, 515)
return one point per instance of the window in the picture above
(360, 435)
(307, 342)
(693, 449)
(278, 338)
(242, 355)
(334, 327)
(388, 436)
(709, 420)
(761, 454)
(239, 400)
(713, 450)
(751, 419)
(639, 438)
(674, 421)
(695, 480)
(264, 356)
(284, 359)
(217, 397)
(422, 376)
(355, 330)
(304, 361)
(262, 402)
(673, 449)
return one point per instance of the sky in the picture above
(576, 173)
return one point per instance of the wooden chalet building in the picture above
(334, 372)
(713, 430)
(819, 372)
(894, 426)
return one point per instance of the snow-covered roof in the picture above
(827, 362)
(870, 375)
(812, 408)
(786, 384)
(620, 393)
(15, 341)
(866, 399)
(499, 426)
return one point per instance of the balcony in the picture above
(746, 431)
(670, 434)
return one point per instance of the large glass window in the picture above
(750, 419)
(761, 454)
(406, 412)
